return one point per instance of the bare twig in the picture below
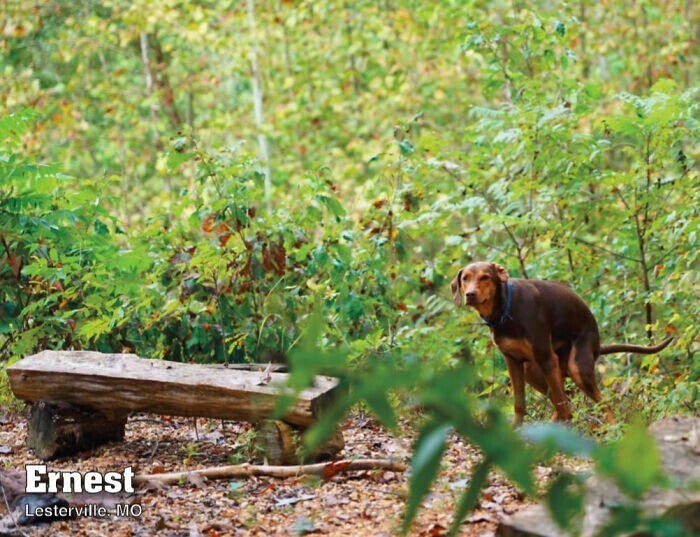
(668, 252)
(494, 247)
(152, 453)
(248, 470)
(520, 254)
(10, 513)
(611, 252)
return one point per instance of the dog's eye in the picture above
(483, 278)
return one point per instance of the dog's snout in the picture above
(471, 295)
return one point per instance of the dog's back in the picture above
(564, 312)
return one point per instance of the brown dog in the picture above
(544, 330)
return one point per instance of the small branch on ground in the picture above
(246, 470)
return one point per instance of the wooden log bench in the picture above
(81, 399)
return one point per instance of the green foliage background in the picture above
(404, 139)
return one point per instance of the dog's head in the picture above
(477, 283)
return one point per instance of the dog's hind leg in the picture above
(548, 361)
(535, 378)
(581, 366)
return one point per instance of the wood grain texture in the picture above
(119, 383)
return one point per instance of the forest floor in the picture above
(366, 503)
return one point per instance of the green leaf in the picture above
(623, 125)
(664, 85)
(504, 447)
(474, 41)
(593, 90)
(15, 124)
(100, 227)
(566, 500)
(175, 159)
(406, 148)
(26, 342)
(379, 404)
(424, 466)
(180, 143)
(333, 205)
(328, 423)
(633, 462)
(558, 437)
(549, 56)
(92, 329)
(40, 222)
(559, 28)
(470, 497)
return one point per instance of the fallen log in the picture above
(81, 399)
(116, 384)
(324, 469)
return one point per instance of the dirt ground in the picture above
(355, 504)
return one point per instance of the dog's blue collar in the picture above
(506, 312)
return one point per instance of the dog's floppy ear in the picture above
(500, 272)
(456, 288)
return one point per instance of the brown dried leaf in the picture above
(274, 258)
(333, 468)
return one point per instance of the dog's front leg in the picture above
(516, 370)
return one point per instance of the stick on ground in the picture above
(325, 469)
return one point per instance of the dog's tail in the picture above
(638, 349)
